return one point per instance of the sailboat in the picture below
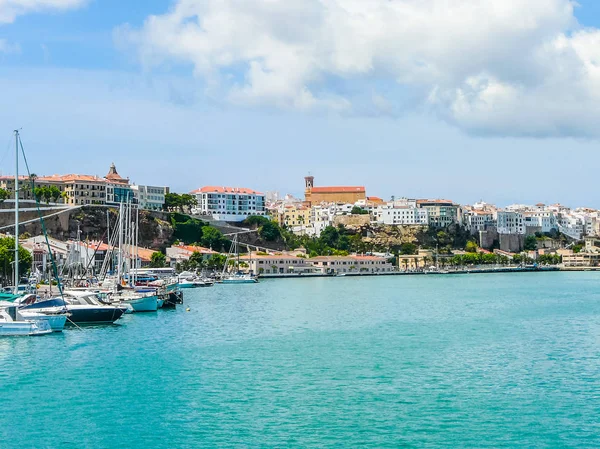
(235, 277)
(13, 321)
(123, 285)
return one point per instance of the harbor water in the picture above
(461, 361)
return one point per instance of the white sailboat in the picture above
(12, 322)
(235, 276)
(122, 285)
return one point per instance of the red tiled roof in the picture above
(216, 189)
(338, 189)
(11, 178)
(114, 176)
(71, 178)
(271, 257)
(434, 201)
(353, 257)
(196, 249)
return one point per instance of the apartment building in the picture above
(149, 197)
(233, 204)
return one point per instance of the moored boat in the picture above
(13, 324)
(83, 307)
(239, 279)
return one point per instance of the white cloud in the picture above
(511, 67)
(10, 9)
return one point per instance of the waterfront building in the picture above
(233, 204)
(284, 263)
(149, 197)
(581, 259)
(415, 262)
(339, 194)
(118, 189)
(441, 213)
(351, 264)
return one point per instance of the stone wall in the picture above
(352, 221)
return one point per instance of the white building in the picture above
(479, 220)
(390, 214)
(150, 197)
(542, 219)
(229, 203)
(510, 222)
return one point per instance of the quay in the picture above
(428, 273)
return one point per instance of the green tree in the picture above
(471, 247)
(188, 201)
(173, 202)
(489, 259)
(212, 238)
(7, 258)
(4, 194)
(530, 243)
(186, 229)
(269, 231)
(358, 211)
(408, 248)
(216, 261)
(196, 260)
(54, 193)
(329, 236)
(256, 220)
(157, 260)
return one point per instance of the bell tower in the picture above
(309, 182)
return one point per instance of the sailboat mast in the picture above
(120, 255)
(137, 243)
(16, 212)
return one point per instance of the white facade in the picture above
(400, 215)
(150, 197)
(477, 220)
(229, 203)
(542, 219)
(510, 222)
(571, 226)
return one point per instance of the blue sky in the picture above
(94, 82)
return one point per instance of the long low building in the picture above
(351, 264)
(292, 263)
(277, 264)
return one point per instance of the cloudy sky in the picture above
(463, 99)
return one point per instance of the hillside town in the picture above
(515, 233)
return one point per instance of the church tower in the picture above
(309, 183)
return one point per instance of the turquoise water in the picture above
(486, 361)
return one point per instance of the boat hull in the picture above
(78, 314)
(24, 328)
(56, 322)
(143, 304)
(239, 281)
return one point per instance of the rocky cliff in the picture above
(156, 230)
